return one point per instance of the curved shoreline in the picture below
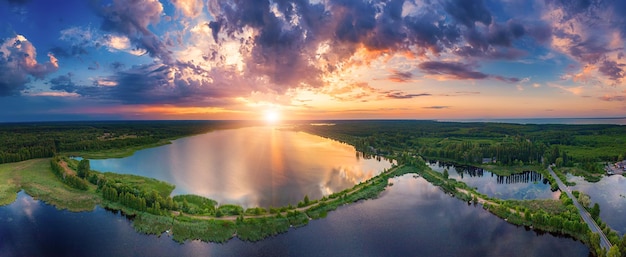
(184, 227)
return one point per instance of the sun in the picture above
(272, 116)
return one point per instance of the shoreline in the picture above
(184, 227)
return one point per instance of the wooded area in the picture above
(24, 141)
(477, 143)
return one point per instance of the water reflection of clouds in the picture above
(24, 204)
(610, 194)
(414, 204)
(254, 166)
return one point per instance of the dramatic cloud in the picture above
(456, 70)
(130, 19)
(83, 38)
(213, 53)
(468, 12)
(267, 46)
(593, 33)
(365, 92)
(297, 43)
(18, 63)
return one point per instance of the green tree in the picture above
(306, 200)
(614, 252)
(622, 246)
(185, 205)
(445, 173)
(595, 211)
(559, 162)
(83, 168)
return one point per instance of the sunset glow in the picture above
(190, 59)
(272, 116)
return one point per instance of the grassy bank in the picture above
(37, 180)
(555, 216)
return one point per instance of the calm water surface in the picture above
(255, 166)
(610, 194)
(523, 186)
(411, 218)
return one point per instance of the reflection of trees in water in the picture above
(368, 156)
(465, 170)
(524, 177)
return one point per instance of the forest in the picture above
(24, 141)
(586, 146)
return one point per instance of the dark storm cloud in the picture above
(457, 70)
(131, 19)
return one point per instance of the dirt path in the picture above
(67, 169)
(301, 209)
(483, 201)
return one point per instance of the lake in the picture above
(610, 194)
(411, 218)
(253, 166)
(523, 186)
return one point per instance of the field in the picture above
(36, 179)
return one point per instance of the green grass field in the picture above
(36, 179)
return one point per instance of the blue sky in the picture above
(322, 59)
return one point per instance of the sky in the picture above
(315, 59)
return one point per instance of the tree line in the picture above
(24, 141)
(474, 143)
(68, 178)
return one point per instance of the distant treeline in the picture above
(506, 144)
(23, 141)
